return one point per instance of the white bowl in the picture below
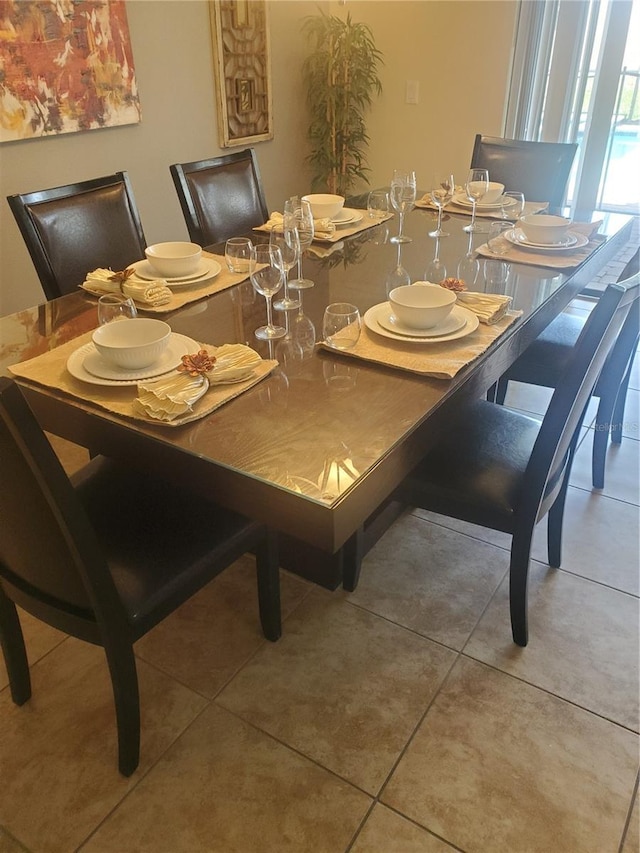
(493, 193)
(544, 228)
(132, 343)
(173, 260)
(324, 205)
(420, 305)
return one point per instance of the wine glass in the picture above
(398, 276)
(265, 269)
(442, 189)
(436, 270)
(512, 205)
(403, 197)
(299, 213)
(112, 307)
(285, 237)
(476, 185)
(468, 266)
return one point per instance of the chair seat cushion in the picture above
(157, 539)
(475, 473)
(544, 360)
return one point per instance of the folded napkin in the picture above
(587, 229)
(140, 290)
(321, 227)
(489, 307)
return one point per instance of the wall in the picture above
(458, 50)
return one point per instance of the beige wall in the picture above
(436, 43)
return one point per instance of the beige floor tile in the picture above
(39, 639)
(224, 786)
(588, 547)
(498, 765)
(9, 845)
(632, 838)
(60, 752)
(429, 579)
(583, 642)
(533, 399)
(388, 832)
(342, 686)
(631, 421)
(484, 534)
(211, 636)
(622, 469)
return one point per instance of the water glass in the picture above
(512, 205)
(113, 306)
(237, 253)
(497, 241)
(496, 274)
(341, 325)
(378, 204)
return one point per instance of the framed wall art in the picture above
(240, 34)
(66, 66)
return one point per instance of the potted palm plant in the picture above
(341, 76)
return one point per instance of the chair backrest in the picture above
(222, 197)
(46, 540)
(564, 416)
(73, 229)
(540, 170)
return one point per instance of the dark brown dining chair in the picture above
(540, 170)
(544, 361)
(106, 556)
(221, 197)
(501, 469)
(76, 228)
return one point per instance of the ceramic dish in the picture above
(347, 216)
(372, 323)
(208, 268)
(463, 201)
(517, 238)
(452, 323)
(566, 243)
(83, 361)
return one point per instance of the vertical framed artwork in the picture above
(66, 66)
(240, 34)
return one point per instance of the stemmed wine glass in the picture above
(442, 189)
(285, 237)
(476, 185)
(403, 197)
(298, 213)
(265, 269)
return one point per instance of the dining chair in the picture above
(544, 361)
(106, 556)
(221, 197)
(504, 470)
(79, 227)
(540, 170)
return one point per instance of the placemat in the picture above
(50, 370)
(181, 296)
(344, 230)
(425, 203)
(560, 261)
(439, 361)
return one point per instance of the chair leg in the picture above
(268, 571)
(617, 418)
(555, 518)
(15, 654)
(518, 584)
(352, 555)
(126, 696)
(501, 386)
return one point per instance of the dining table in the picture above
(317, 447)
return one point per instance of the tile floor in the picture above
(397, 719)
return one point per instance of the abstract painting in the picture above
(65, 65)
(243, 73)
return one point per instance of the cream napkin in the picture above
(321, 227)
(144, 292)
(489, 307)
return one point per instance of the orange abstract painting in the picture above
(65, 65)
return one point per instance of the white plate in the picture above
(463, 201)
(207, 268)
(179, 345)
(347, 216)
(517, 238)
(521, 239)
(454, 321)
(372, 323)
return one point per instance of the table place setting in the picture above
(494, 210)
(424, 328)
(543, 240)
(167, 379)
